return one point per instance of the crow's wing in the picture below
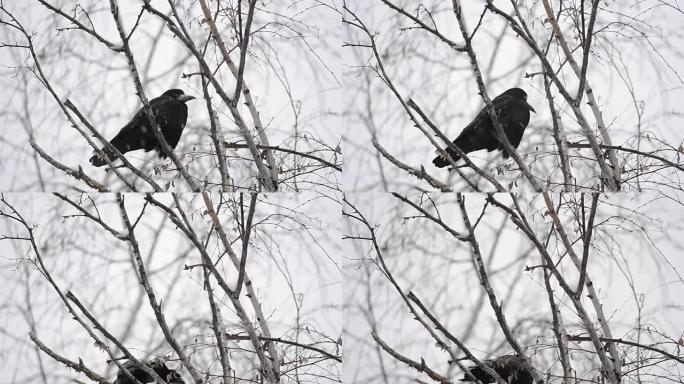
(137, 134)
(514, 116)
(172, 117)
(480, 134)
(140, 117)
(482, 119)
(136, 371)
(479, 374)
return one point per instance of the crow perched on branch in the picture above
(513, 369)
(170, 113)
(514, 114)
(170, 376)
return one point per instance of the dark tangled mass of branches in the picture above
(140, 373)
(513, 369)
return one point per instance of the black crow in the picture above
(512, 369)
(170, 376)
(514, 114)
(170, 113)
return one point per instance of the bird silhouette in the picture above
(170, 376)
(170, 113)
(513, 112)
(513, 369)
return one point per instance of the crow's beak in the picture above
(185, 98)
(531, 109)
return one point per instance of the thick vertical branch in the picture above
(251, 294)
(272, 171)
(588, 231)
(586, 48)
(245, 243)
(216, 135)
(560, 138)
(243, 51)
(615, 180)
(218, 329)
(558, 327)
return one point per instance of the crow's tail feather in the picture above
(465, 143)
(479, 374)
(441, 161)
(99, 161)
(124, 142)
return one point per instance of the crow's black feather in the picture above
(170, 113)
(513, 369)
(170, 376)
(514, 114)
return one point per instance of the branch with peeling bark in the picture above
(238, 72)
